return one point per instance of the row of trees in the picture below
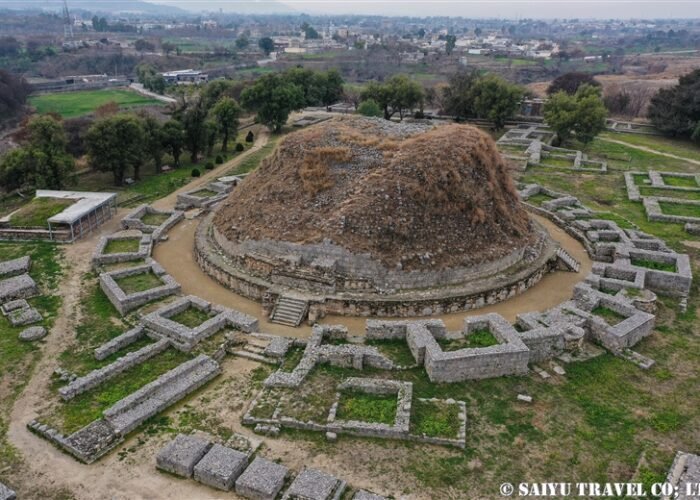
(489, 97)
(274, 96)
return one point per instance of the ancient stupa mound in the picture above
(412, 196)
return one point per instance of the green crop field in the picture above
(72, 104)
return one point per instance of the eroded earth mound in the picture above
(413, 196)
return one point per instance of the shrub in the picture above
(239, 147)
(219, 159)
(249, 137)
(196, 172)
(209, 165)
(370, 108)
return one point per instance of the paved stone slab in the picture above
(182, 454)
(13, 305)
(17, 287)
(25, 316)
(262, 480)
(313, 484)
(33, 333)
(367, 495)
(220, 467)
(15, 266)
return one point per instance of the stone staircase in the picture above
(254, 350)
(289, 311)
(568, 261)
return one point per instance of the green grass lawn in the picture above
(538, 199)
(72, 104)
(205, 193)
(680, 181)
(476, 339)
(554, 161)
(434, 419)
(396, 350)
(191, 317)
(365, 407)
(122, 246)
(611, 317)
(652, 264)
(35, 213)
(669, 193)
(680, 209)
(154, 219)
(621, 157)
(139, 282)
(252, 161)
(292, 358)
(678, 147)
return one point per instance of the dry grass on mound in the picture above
(409, 194)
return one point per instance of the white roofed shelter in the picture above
(89, 211)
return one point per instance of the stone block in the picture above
(182, 454)
(313, 484)
(262, 480)
(17, 287)
(25, 316)
(15, 267)
(220, 467)
(33, 333)
(367, 495)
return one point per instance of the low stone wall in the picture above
(119, 342)
(130, 412)
(219, 268)
(133, 220)
(100, 258)
(101, 375)
(127, 302)
(184, 337)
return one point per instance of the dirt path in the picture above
(168, 202)
(177, 257)
(651, 150)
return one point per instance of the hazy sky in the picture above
(471, 8)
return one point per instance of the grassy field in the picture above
(72, 104)
(18, 358)
(669, 145)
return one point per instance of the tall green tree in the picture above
(273, 97)
(399, 95)
(43, 161)
(266, 44)
(570, 82)
(495, 99)
(451, 42)
(458, 97)
(580, 116)
(193, 121)
(226, 113)
(115, 144)
(675, 111)
(174, 139)
(154, 141)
